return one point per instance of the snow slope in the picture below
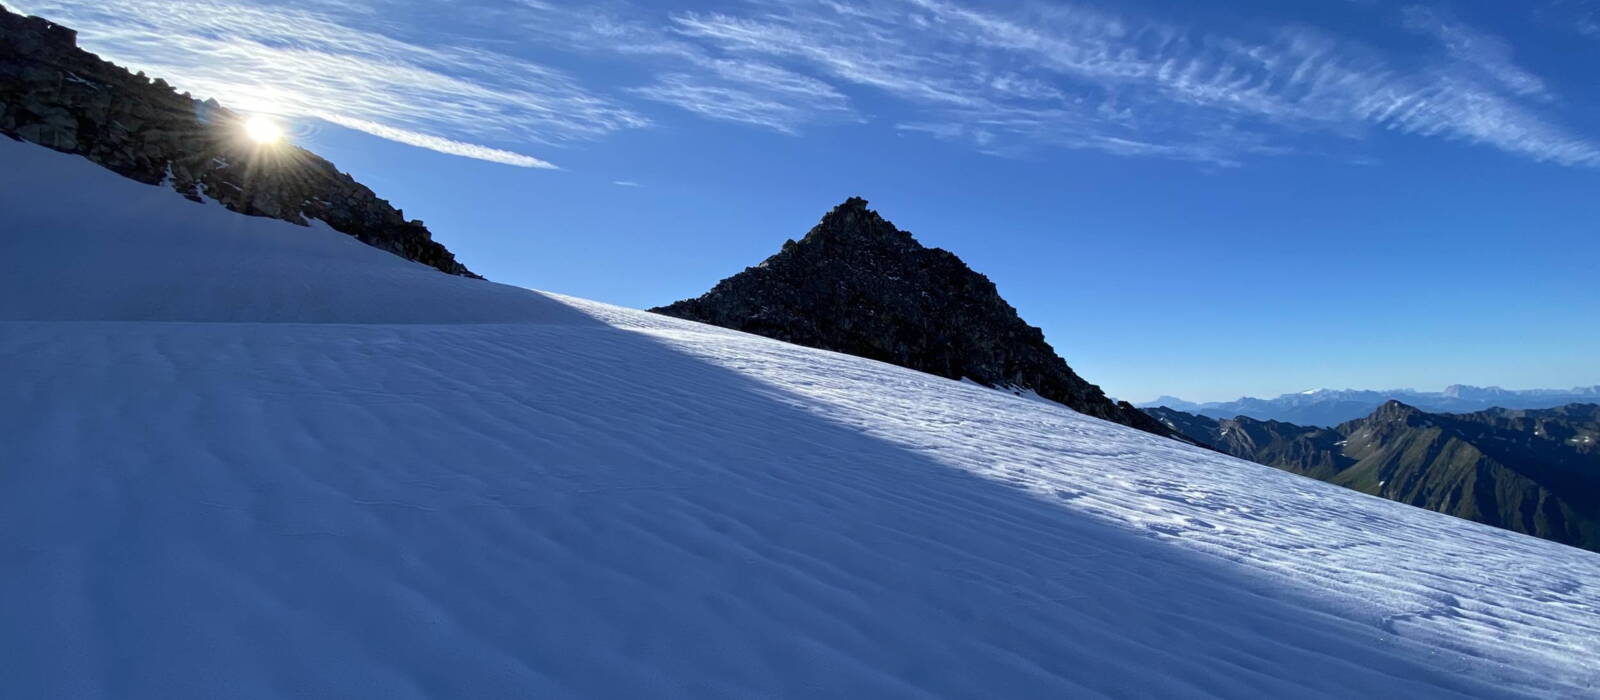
(96, 246)
(246, 459)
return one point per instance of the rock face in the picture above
(60, 96)
(1531, 471)
(858, 285)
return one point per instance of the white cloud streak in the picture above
(325, 62)
(436, 143)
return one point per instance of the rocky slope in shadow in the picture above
(858, 285)
(60, 96)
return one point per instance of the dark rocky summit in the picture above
(858, 285)
(55, 94)
(1532, 471)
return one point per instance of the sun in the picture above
(262, 130)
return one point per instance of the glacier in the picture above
(247, 459)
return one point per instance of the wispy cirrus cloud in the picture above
(1580, 16)
(728, 103)
(324, 60)
(750, 92)
(1007, 79)
(1488, 54)
(1086, 79)
(685, 74)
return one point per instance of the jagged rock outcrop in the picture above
(1531, 471)
(858, 285)
(60, 96)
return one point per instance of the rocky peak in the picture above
(1395, 411)
(57, 95)
(857, 284)
(1391, 418)
(852, 214)
(853, 224)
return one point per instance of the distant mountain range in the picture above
(856, 284)
(1329, 407)
(1532, 471)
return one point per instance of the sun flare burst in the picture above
(263, 130)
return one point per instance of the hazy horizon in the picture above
(1374, 389)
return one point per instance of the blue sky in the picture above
(1198, 199)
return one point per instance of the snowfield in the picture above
(247, 459)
